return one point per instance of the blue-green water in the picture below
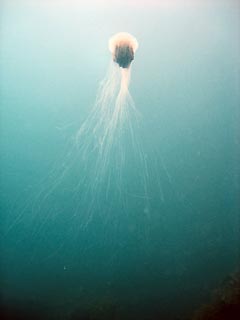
(159, 250)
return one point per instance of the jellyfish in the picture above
(102, 131)
(103, 169)
(98, 159)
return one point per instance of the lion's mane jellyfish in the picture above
(104, 169)
(103, 130)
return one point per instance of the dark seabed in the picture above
(151, 231)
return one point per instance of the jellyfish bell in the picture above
(123, 46)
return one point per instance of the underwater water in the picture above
(150, 229)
